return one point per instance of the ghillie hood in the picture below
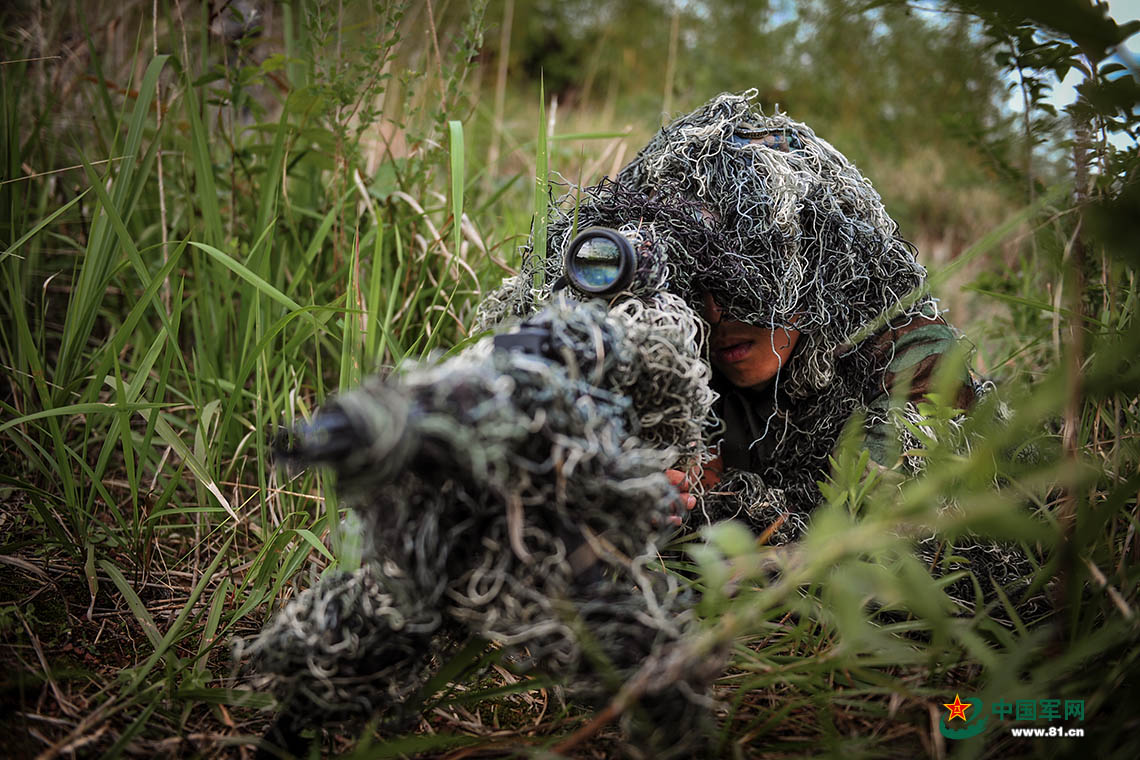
(781, 229)
(757, 210)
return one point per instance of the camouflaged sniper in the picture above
(779, 227)
(519, 497)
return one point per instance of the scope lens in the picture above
(597, 263)
(600, 261)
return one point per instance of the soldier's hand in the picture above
(680, 481)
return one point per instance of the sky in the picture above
(1122, 11)
(1064, 93)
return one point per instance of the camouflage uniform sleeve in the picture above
(910, 354)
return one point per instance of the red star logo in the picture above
(957, 708)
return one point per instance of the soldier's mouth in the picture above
(733, 352)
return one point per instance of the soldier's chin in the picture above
(747, 377)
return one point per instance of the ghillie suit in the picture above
(514, 495)
(780, 228)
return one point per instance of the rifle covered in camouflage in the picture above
(515, 492)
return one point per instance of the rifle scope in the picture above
(600, 261)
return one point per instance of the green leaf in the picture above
(179, 623)
(133, 602)
(41, 225)
(96, 407)
(167, 434)
(311, 539)
(541, 188)
(264, 287)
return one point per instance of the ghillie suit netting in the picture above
(780, 229)
(514, 495)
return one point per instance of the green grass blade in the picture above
(47, 220)
(92, 407)
(133, 730)
(167, 434)
(207, 194)
(376, 324)
(133, 601)
(262, 286)
(409, 746)
(274, 173)
(179, 623)
(349, 355)
(234, 697)
(1035, 303)
(312, 540)
(541, 190)
(460, 662)
(98, 261)
(455, 130)
(217, 606)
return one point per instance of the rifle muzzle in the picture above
(363, 435)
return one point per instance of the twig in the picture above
(936, 735)
(79, 742)
(630, 693)
(1113, 594)
(32, 60)
(158, 158)
(45, 719)
(64, 705)
(58, 171)
(438, 58)
(671, 65)
(500, 91)
(23, 564)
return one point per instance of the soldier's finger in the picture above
(678, 479)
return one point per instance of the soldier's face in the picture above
(748, 356)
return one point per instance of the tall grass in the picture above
(146, 379)
(323, 215)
